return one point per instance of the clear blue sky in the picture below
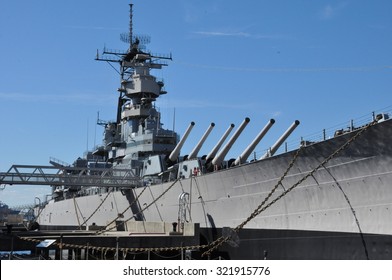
(321, 62)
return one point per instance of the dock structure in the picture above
(68, 176)
(142, 240)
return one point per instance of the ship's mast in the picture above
(138, 89)
(135, 61)
(130, 24)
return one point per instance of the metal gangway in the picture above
(69, 176)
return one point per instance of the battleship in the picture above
(326, 199)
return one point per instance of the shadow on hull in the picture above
(302, 245)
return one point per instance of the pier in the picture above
(142, 240)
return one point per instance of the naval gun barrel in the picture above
(219, 158)
(245, 154)
(280, 141)
(174, 154)
(197, 148)
(219, 144)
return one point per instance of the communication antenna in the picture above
(174, 119)
(136, 53)
(129, 37)
(87, 135)
(130, 23)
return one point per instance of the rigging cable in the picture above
(156, 206)
(76, 211)
(353, 212)
(121, 214)
(99, 206)
(145, 208)
(202, 202)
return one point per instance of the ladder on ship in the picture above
(69, 176)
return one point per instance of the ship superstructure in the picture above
(137, 136)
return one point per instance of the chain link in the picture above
(99, 206)
(218, 242)
(63, 245)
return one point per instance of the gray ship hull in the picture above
(342, 211)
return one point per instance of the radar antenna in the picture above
(131, 39)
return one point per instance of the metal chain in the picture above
(76, 210)
(218, 242)
(223, 239)
(272, 191)
(124, 250)
(99, 206)
(352, 211)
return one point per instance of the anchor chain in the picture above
(223, 239)
(95, 211)
(218, 242)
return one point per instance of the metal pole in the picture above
(12, 247)
(117, 238)
(61, 247)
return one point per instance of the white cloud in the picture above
(82, 98)
(283, 70)
(327, 12)
(213, 33)
(239, 34)
(330, 11)
(276, 114)
(197, 104)
(93, 27)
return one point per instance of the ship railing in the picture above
(113, 51)
(96, 148)
(327, 133)
(22, 207)
(58, 162)
(347, 126)
(89, 155)
(162, 55)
